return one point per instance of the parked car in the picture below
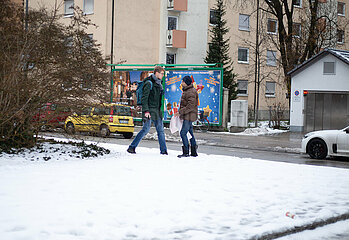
(320, 144)
(51, 115)
(103, 119)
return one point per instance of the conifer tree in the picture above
(218, 49)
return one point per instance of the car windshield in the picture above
(122, 111)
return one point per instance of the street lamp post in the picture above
(256, 71)
(112, 32)
(112, 48)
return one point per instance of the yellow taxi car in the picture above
(103, 119)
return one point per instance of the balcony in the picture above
(176, 39)
(177, 5)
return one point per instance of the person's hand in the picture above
(176, 114)
(147, 115)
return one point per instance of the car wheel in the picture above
(317, 149)
(70, 129)
(128, 135)
(104, 131)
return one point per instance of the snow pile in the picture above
(58, 150)
(150, 196)
(260, 131)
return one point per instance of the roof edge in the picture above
(325, 51)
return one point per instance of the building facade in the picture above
(177, 32)
(320, 92)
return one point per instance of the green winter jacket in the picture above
(152, 99)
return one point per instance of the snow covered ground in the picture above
(262, 129)
(150, 196)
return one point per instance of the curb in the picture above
(266, 149)
(298, 229)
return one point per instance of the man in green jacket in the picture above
(151, 110)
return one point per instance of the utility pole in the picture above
(256, 71)
(112, 49)
(112, 32)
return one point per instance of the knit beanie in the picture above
(187, 80)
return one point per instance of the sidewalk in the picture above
(280, 142)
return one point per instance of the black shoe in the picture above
(185, 152)
(194, 152)
(131, 150)
(164, 153)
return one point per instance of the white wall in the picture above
(195, 22)
(311, 78)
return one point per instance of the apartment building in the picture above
(241, 19)
(177, 32)
(145, 32)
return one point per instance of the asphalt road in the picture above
(208, 147)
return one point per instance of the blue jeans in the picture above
(187, 127)
(146, 127)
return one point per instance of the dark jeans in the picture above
(146, 127)
(187, 127)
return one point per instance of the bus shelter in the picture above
(207, 79)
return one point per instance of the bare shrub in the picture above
(46, 63)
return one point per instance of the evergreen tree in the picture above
(218, 49)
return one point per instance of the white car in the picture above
(320, 144)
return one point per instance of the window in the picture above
(271, 58)
(86, 111)
(170, 58)
(298, 3)
(213, 16)
(69, 41)
(242, 87)
(243, 55)
(88, 6)
(340, 36)
(329, 68)
(272, 26)
(244, 22)
(101, 111)
(270, 89)
(341, 8)
(68, 7)
(88, 40)
(297, 30)
(122, 111)
(172, 23)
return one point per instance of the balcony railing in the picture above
(176, 39)
(177, 5)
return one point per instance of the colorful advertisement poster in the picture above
(124, 89)
(208, 85)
